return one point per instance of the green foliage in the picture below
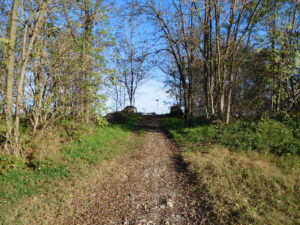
(4, 40)
(129, 121)
(49, 167)
(71, 126)
(132, 122)
(279, 135)
(250, 184)
(101, 121)
(95, 145)
(4, 43)
(8, 163)
(24, 177)
(21, 178)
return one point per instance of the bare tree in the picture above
(133, 54)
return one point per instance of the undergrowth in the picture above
(248, 171)
(264, 135)
(25, 177)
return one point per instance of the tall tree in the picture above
(10, 63)
(132, 53)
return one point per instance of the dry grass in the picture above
(73, 197)
(246, 188)
(47, 144)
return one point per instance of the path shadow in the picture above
(198, 192)
(152, 123)
(205, 209)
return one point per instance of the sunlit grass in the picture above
(264, 135)
(21, 178)
(246, 188)
(248, 171)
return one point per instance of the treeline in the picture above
(223, 58)
(51, 55)
(229, 58)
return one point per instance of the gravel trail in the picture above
(147, 188)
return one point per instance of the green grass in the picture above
(89, 149)
(128, 121)
(265, 135)
(21, 178)
(247, 172)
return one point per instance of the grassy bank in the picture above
(21, 178)
(248, 171)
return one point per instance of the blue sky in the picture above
(152, 89)
(147, 96)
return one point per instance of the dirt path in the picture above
(146, 188)
(159, 193)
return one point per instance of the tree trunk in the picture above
(17, 145)
(212, 78)
(206, 59)
(229, 97)
(88, 39)
(218, 61)
(12, 30)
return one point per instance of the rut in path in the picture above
(152, 190)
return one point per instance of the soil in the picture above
(150, 187)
